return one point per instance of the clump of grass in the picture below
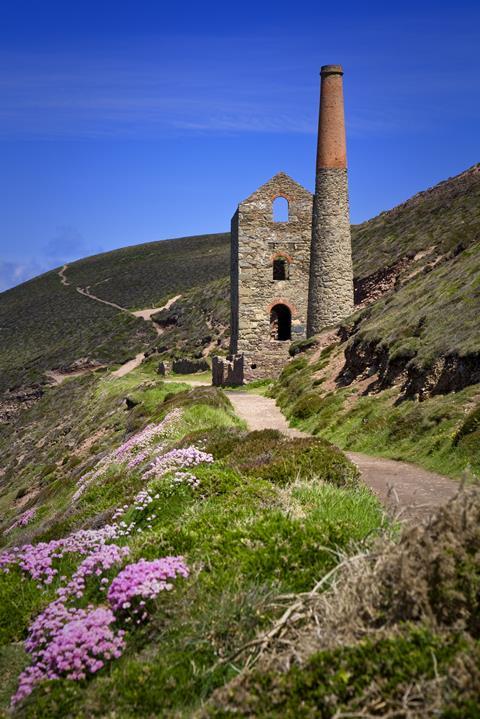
(399, 674)
(398, 629)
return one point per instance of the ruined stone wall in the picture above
(256, 241)
(234, 271)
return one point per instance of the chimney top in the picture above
(331, 70)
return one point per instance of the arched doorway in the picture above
(280, 323)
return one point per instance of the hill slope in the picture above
(415, 336)
(46, 323)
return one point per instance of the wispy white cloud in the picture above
(14, 273)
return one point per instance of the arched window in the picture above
(281, 268)
(280, 323)
(280, 209)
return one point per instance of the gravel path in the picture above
(414, 490)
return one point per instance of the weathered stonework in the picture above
(291, 279)
(227, 371)
(331, 271)
(267, 313)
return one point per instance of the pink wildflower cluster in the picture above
(68, 643)
(37, 559)
(134, 451)
(23, 519)
(138, 583)
(143, 440)
(176, 458)
(100, 561)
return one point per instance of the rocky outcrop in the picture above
(370, 288)
(16, 400)
(449, 373)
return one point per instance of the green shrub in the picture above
(293, 367)
(306, 406)
(353, 680)
(471, 425)
(300, 346)
(218, 441)
(269, 455)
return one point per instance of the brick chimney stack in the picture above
(330, 296)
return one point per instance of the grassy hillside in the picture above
(198, 323)
(45, 324)
(441, 433)
(159, 560)
(425, 334)
(434, 222)
(264, 516)
(142, 275)
(280, 568)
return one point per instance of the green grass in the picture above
(196, 377)
(46, 325)
(140, 276)
(440, 433)
(244, 545)
(269, 517)
(433, 316)
(442, 217)
(257, 386)
(198, 321)
(423, 433)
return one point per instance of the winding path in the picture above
(145, 314)
(414, 490)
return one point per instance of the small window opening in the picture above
(280, 323)
(253, 366)
(280, 209)
(281, 269)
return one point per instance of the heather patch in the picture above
(69, 643)
(23, 520)
(133, 590)
(134, 451)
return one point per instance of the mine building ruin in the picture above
(291, 259)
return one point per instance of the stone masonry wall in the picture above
(331, 278)
(256, 241)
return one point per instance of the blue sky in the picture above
(125, 122)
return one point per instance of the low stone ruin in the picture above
(227, 371)
(190, 366)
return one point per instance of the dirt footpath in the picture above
(410, 489)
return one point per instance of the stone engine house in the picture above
(270, 263)
(291, 274)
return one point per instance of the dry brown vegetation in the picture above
(421, 591)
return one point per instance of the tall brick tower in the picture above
(330, 295)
